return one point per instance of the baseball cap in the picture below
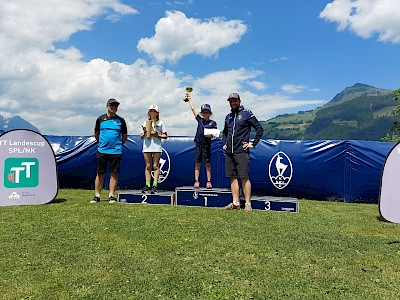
(155, 107)
(206, 107)
(234, 96)
(112, 100)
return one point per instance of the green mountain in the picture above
(359, 112)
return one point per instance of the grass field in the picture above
(70, 249)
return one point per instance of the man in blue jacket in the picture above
(237, 145)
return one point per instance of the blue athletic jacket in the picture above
(110, 134)
(237, 129)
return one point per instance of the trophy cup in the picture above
(188, 90)
(149, 128)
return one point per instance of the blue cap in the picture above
(206, 107)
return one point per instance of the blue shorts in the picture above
(202, 153)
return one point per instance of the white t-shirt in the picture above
(153, 144)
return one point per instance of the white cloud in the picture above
(282, 58)
(176, 36)
(366, 18)
(61, 94)
(258, 85)
(296, 89)
(37, 24)
(215, 88)
(293, 89)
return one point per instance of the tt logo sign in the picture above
(21, 172)
(29, 169)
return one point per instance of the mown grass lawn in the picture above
(70, 249)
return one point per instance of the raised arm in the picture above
(195, 113)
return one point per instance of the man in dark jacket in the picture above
(237, 145)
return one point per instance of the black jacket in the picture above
(237, 129)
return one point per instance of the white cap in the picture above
(155, 107)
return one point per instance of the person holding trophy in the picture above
(153, 131)
(206, 129)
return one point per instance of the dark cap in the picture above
(234, 96)
(205, 107)
(111, 101)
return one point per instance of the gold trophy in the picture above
(149, 128)
(188, 90)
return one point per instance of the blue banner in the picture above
(335, 170)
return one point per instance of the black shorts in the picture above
(237, 165)
(202, 153)
(113, 161)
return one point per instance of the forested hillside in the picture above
(360, 112)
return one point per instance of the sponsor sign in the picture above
(29, 170)
(389, 201)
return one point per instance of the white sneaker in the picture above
(247, 207)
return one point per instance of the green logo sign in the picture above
(21, 172)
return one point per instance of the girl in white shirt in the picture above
(152, 148)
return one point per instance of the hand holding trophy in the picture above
(188, 90)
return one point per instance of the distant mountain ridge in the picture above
(355, 91)
(359, 112)
(7, 124)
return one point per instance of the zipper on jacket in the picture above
(233, 131)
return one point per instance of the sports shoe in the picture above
(146, 189)
(247, 207)
(95, 199)
(112, 199)
(208, 185)
(154, 190)
(231, 206)
(196, 184)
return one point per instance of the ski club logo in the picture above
(280, 170)
(21, 172)
(165, 166)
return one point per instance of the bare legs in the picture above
(98, 184)
(246, 185)
(152, 161)
(197, 171)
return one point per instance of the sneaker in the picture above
(247, 207)
(231, 206)
(95, 199)
(146, 189)
(196, 185)
(112, 199)
(154, 190)
(208, 185)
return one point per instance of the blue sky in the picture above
(61, 60)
